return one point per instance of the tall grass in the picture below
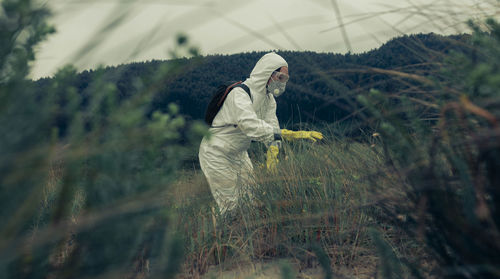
(447, 165)
(316, 208)
(102, 198)
(417, 199)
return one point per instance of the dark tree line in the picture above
(322, 88)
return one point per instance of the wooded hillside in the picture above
(322, 87)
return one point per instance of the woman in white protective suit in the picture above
(223, 156)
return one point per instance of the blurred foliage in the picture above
(83, 175)
(87, 159)
(449, 166)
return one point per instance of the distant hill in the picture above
(322, 86)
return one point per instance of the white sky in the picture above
(112, 32)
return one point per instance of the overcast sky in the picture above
(112, 32)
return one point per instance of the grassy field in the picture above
(107, 193)
(316, 211)
(315, 216)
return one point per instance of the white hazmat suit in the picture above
(223, 156)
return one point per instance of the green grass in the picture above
(316, 207)
(422, 197)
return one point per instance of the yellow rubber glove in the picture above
(272, 158)
(293, 135)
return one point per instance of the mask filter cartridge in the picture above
(276, 88)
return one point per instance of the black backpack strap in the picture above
(245, 87)
(218, 99)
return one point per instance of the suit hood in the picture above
(262, 71)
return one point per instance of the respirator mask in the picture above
(277, 83)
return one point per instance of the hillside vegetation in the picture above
(323, 86)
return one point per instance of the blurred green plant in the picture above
(448, 166)
(83, 182)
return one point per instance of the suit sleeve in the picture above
(270, 116)
(246, 118)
